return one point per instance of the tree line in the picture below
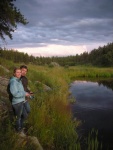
(10, 17)
(103, 56)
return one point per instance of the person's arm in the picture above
(25, 84)
(15, 91)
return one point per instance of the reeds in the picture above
(93, 142)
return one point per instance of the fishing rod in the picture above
(34, 93)
(40, 91)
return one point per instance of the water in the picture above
(94, 107)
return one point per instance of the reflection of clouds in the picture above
(79, 82)
(90, 95)
(93, 106)
(82, 82)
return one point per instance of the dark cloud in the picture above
(65, 22)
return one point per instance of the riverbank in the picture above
(51, 118)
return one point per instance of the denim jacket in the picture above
(17, 90)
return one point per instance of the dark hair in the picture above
(23, 66)
(15, 69)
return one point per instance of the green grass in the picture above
(88, 72)
(51, 120)
(92, 141)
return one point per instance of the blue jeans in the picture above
(21, 115)
(27, 106)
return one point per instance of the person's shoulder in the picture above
(24, 79)
(13, 81)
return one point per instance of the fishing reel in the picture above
(31, 97)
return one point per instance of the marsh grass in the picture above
(88, 72)
(93, 142)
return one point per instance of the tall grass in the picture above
(92, 141)
(88, 72)
(51, 120)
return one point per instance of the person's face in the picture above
(23, 71)
(17, 73)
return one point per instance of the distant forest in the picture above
(103, 57)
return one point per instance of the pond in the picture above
(94, 107)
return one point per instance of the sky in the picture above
(63, 27)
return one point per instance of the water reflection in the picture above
(92, 95)
(94, 107)
(106, 83)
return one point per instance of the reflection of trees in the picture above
(107, 83)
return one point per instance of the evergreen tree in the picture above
(10, 16)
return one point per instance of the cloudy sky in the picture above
(63, 27)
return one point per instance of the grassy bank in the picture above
(85, 72)
(50, 119)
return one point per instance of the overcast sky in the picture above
(63, 27)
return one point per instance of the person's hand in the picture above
(27, 95)
(31, 93)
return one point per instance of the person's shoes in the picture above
(22, 134)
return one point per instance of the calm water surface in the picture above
(94, 107)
